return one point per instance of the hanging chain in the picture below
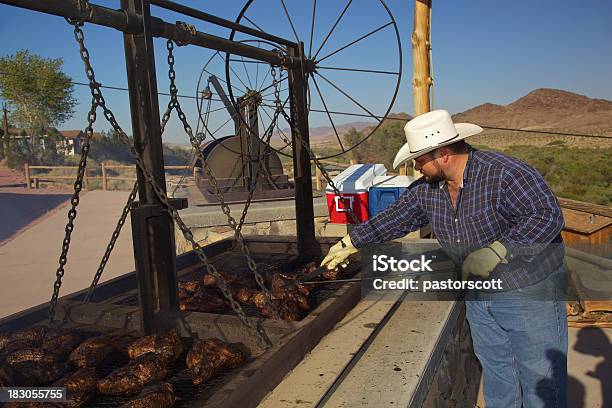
(174, 104)
(159, 192)
(113, 240)
(82, 168)
(315, 159)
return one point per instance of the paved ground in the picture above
(22, 208)
(590, 368)
(29, 260)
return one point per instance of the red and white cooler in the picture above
(353, 184)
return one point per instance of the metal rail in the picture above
(132, 23)
(188, 11)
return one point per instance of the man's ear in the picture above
(443, 153)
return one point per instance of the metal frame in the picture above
(153, 229)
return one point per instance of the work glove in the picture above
(339, 253)
(482, 261)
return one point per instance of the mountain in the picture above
(543, 109)
(327, 132)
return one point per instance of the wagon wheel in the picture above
(215, 118)
(344, 86)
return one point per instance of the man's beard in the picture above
(436, 178)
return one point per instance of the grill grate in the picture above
(318, 294)
(179, 376)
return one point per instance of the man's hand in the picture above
(339, 253)
(482, 261)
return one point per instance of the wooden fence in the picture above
(33, 180)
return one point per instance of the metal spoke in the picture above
(247, 73)
(263, 81)
(272, 93)
(249, 62)
(360, 115)
(279, 130)
(270, 86)
(232, 69)
(219, 128)
(233, 86)
(314, 12)
(356, 41)
(257, 70)
(347, 95)
(373, 71)
(328, 115)
(252, 22)
(333, 28)
(290, 22)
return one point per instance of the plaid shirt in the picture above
(502, 199)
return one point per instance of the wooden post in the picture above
(421, 79)
(318, 175)
(85, 180)
(26, 174)
(104, 180)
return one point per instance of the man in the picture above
(496, 217)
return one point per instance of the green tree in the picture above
(38, 93)
(350, 139)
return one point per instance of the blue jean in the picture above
(520, 339)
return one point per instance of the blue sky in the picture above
(483, 51)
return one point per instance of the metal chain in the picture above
(174, 103)
(160, 194)
(78, 184)
(113, 240)
(315, 159)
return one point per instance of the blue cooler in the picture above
(385, 190)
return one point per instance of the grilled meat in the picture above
(290, 310)
(31, 355)
(154, 396)
(81, 387)
(189, 286)
(298, 294)
(131, 379)
(210, 281)
(94, 350)
(61, 342)
(241, 294)
(20, 339)
(32, 335)
(169, 346)
(287, 309)
(35, 373)
(204, 300)
(207, 357)
(84, 379)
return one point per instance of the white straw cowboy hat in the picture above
(429, 131)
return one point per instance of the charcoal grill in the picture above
(115, 308)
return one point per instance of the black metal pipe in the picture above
(154, 247)
(308, 246)
(188, 11)
(131, 23)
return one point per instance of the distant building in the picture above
(71, 142)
